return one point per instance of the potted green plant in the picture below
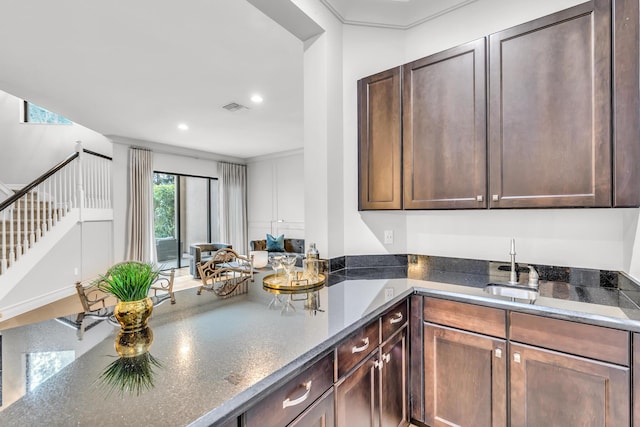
(130, 282)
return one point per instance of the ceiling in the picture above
(137, 69)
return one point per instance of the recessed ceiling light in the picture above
(256, 98)
(183, 126)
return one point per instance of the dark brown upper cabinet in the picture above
(444, 129)
(550, 110)
(380, 141)
(626, 103)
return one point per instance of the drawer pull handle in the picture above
(361, 348)
(397, 318)
(288, 402)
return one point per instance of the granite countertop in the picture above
(216, 355)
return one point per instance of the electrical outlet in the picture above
(75, 271)
(388, 294)
(388, 237)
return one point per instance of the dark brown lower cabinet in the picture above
(375, 393)
(393, 382)
(356, 399)
(636, 379)
(320, 414)
(465, 378)
(550, 388)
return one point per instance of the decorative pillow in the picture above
(275, 244)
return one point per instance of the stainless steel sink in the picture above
(513, 292)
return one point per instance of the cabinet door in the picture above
(357, 397)
(626, 102)
(320, 414)
(393, 382)
(636, 379)
(444, 129)
(465, 378)
(380, 141)
(549, 388)
(550, 110)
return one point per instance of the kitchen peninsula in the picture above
(221, 358)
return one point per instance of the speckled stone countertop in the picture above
(217, 355)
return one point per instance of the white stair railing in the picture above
(82, 180)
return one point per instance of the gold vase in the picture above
(133, 315)
(131, 344)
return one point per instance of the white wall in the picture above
(81, 254)
(366, 51)
(275, 192)
(592, 238)
(28, 150)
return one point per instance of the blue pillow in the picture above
(275, 244)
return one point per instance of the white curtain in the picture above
(141, 245)
(233, 205)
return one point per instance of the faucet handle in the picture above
(533, 277)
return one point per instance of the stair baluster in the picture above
(12, 254)
(3, 260)
(38, 224)
(18, 231)
(32, 234)
(25, 224)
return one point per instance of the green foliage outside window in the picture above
(165, 212)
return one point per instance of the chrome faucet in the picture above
(513, 276)
(533, 278)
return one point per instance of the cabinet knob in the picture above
(516, 357)
(499, 353)
(378, 364)
(363, 347)
(479, 198)
(495, 197)
(288, 402)
(386, 357)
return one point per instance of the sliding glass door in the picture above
(165, 219)
(186, 212)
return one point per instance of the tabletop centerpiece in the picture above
(130, 282)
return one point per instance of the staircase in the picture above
(23, 226)
(81, 181)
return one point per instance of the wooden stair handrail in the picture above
(20, 193)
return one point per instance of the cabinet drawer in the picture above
(594, 342)
(393, 320)
(474, 318)
(280, 407)
(356, 347)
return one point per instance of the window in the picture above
(31, 113)
(43, 365)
